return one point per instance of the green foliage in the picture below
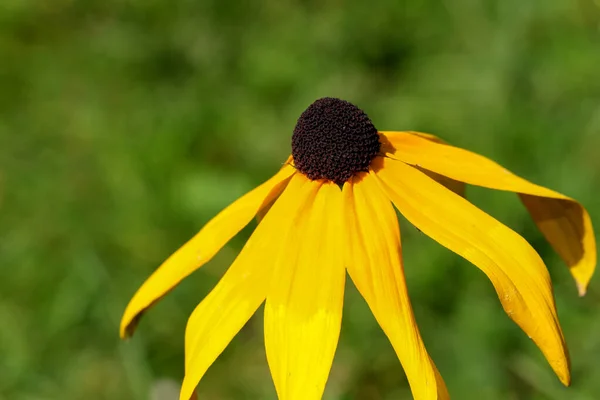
(126, 124)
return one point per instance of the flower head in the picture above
(334, 140)
(329, 210)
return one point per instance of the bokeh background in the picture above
(125, 125)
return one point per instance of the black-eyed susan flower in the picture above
(329, 210)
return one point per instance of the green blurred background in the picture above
(125, 125)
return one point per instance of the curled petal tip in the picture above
(565, 379)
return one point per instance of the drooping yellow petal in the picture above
(454, 185)
(202, 247)
(243, 288)
(374, 262)
(568, 228)
(515, 269)
(303, 311)
(564, 222)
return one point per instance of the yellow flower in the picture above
(329, 210)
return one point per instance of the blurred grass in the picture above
(126, 124)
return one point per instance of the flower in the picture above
(329, 210)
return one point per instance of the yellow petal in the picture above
(515, 269)
(568, 228)
(267, 205)
(387, 139)
(221, 315)
(457, 187)
(202, 247)
(564, 222)
(303, 311)
(375, 265)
